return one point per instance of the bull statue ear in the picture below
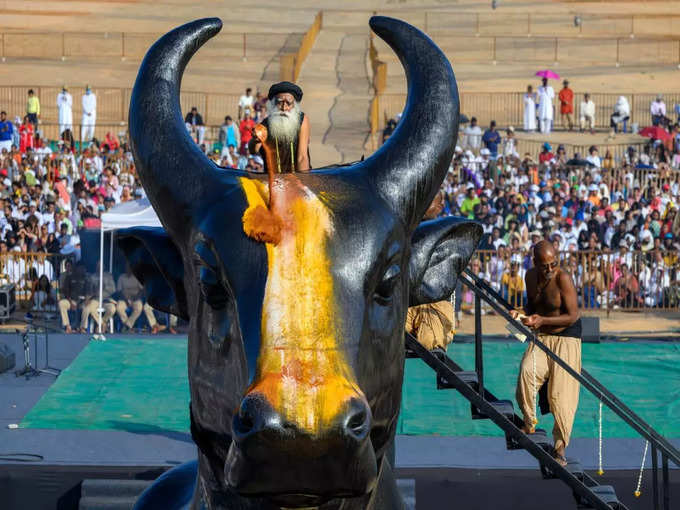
(157, 264)
(440, 251)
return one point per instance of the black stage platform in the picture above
(465, 473)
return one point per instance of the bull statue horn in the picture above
(175, 173)
(408, 170)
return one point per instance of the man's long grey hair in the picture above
(283, 126)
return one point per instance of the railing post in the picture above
(244, 47)
(666, 485)
(655, 477)
(479, 353)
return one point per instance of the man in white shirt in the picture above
(587, 117)
(64, 106)
(593, 157)
(473, 135)
(546, 94)
(245, 101)
(89, 115)
(658, 110)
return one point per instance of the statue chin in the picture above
(307, 483)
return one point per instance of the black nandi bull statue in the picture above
(296, 343)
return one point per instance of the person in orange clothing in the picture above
(566, 97)
(25, 135)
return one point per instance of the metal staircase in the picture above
(485, 405)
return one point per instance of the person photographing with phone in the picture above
(552, 312)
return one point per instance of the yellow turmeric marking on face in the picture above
(301, 370)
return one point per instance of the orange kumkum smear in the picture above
(301, 370)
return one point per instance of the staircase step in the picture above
(605, 492)
(410, 354)
(504, 407)
(539, 437)
(573, 466)
(468, 377)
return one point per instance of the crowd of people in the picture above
(615, 223)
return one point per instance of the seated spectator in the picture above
(91, 308)
(658, 111)
(626, 289)
(621, 114)
(43, 297)
(130, 296)
(194, 124)
(74, 291)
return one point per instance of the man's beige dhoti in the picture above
(431, 324)
(562, 388)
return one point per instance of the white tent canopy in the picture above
(135, 213)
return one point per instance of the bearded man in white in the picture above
(89, 115)
(546, 94)
(65, 109)
(286, 147)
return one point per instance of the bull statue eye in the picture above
(385, 289)
(212, 290)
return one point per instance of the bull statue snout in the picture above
(272, 454)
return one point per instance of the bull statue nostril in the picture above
(250, 418)
(357, 423)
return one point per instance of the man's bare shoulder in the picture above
(564, 280)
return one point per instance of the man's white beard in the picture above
(283, 126)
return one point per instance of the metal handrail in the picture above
(481, 288)
(479, 400)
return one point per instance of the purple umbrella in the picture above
(547, 73)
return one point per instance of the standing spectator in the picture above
(587, 112)
(65, 109)
(473, 135)
(229, 134)
(245, 102)
(491, 139)
(566, 98)
(510, 144)
(246, 130)
(529, 110)
(26, 137)
(89, 115)
(621, 114)
(546, 94)
(194, 124)
(260, 107)
(33, 108)
(658, 110)
(6, 132)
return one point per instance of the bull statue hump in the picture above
(295, 288)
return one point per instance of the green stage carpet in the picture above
(141, 385)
